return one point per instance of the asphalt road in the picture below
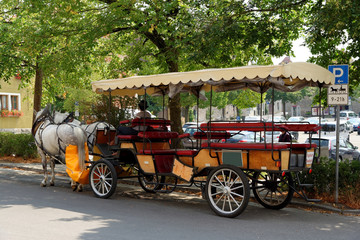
(28, 211)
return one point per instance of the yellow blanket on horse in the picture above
(72, 164)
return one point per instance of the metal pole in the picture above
(320, 85)
(337, 154)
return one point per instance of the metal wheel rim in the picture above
(101, 179)
(275, 196)
(226, 198)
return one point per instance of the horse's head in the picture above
(43, 113)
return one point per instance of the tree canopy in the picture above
(68, 42)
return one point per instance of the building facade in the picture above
(16, 105)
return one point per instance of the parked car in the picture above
(243, 137)
(346, 115)
(329, 129)
(253, 119)
(188, 124)
(277, 119)
(190, 142)
(346, 149)
(354, 123)
(296, 119)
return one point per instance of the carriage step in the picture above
(313, 200)
(306, 185)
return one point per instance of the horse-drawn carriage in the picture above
(225, 172)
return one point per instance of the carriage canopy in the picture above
(288, 77)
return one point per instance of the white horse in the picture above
(51, 140)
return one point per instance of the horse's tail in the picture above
(82, 139)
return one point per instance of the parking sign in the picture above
(341, 73)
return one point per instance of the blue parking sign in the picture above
(341, 73)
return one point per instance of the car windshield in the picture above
(190, 131)
(238, 136)
(275, 133)
(328, 127)
(323, 142)
(354, 120)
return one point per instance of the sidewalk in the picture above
(296, 202)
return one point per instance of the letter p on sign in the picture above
(341, 73)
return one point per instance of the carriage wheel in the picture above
(227, 190)
(103, 178)
(272, 190)
(151, 183)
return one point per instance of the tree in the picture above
(142, 37)
(333, 29)
(292, 97)
(35, 42)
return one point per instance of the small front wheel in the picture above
(227, 191)
(151, 183)
(272, 190)
(103, 178)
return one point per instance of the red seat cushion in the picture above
(212, 135)
(240, 126)
(157, 151)
(275, 146)
(158, 135)
(127, 137)
(186, 152)
(301, 145)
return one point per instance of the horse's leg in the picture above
(73, 185)
(52, 165)
(44, 165)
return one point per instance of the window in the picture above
(10, 101)
(14, 102)
(3, 102)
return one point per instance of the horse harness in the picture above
(39, 125)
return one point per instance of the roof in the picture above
(289, 77)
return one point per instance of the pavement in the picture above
(131, 188)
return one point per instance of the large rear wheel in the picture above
(272, 190)
(103, 178)
(227, 191)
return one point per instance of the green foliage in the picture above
(21, 145)
(119, 109)
(323, 177)
(246, 99)
(84, 99)
(333, 29)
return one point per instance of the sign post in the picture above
(338, 94)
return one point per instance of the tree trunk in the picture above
(284, 110)
(186, 113)
(38, 89)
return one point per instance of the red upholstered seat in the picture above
(300, 127)
(301, 145)
(212, 135)
(127, 137)
(157, 151)
(184, 135)
(186, 152)
(241, 126)
(158, 135)
(275, 146)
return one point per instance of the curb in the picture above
(295, 201)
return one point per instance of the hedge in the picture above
(20, 145)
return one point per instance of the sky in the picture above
(302, 53)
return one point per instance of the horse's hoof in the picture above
(42, 185)
(74, 187)
(52, 184)
(79, 189)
